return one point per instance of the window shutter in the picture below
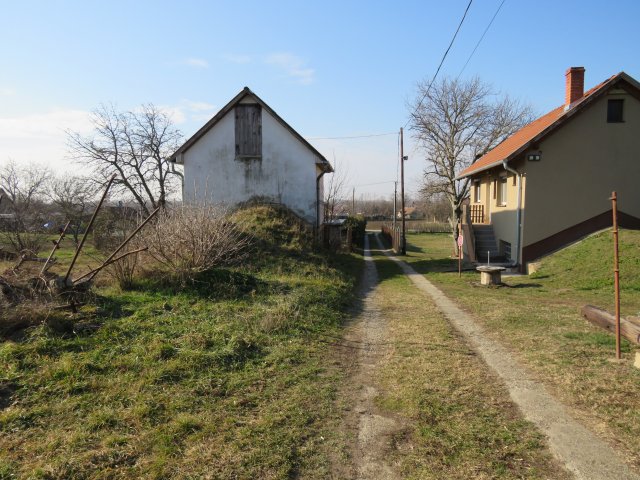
(248, 130)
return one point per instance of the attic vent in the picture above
(248, 131)
(614, 110)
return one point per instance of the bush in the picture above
(358, 226)
(193, 238)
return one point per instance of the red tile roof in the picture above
(543, 125)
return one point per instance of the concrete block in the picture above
(532, 267)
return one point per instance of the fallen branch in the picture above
(629, 329)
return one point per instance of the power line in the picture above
(481, 38)
(354, 136)
(442, 60)
(375, 183)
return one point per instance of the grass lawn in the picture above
(538, 318)
(227, 378)
(461, 421)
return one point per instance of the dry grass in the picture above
(538, 319)
(462, 423)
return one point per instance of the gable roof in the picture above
(545, 125)
(323, 163)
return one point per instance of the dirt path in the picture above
(579, 449)
(370, 428)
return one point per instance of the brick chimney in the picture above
(574, 85)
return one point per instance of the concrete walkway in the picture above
(584, 454)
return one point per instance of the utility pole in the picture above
(403, 247)
(353, 201)
(395, 203)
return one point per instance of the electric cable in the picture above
(441, 61)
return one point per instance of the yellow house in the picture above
(549, 184)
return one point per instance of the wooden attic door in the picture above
(248, 131)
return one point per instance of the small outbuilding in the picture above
(248, 152)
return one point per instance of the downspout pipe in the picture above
(518, 175)
(318, 178)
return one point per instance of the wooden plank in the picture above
(628, 329)
(248, 130)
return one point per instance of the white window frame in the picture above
(501, 200)
(477, 192)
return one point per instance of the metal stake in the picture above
(120, 247)
(616, 269)
(56, 246)
(86, 232)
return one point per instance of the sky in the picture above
(330, 69)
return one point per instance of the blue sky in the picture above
(328, 68)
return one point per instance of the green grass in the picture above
(227, 378)
(460, 421)
(538, 318)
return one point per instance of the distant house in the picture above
(7, 216)
(549, 183)
(247, 151)
(410, 213)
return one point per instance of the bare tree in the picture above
(456, 122)
(335, 191)
(135, 146)
(23, 189)
(73, 197)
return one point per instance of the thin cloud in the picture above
(7, 92)
(44, 125)
(196, 62)
(189, 111)
(199, 106)
(42, 137)
(293, 66)
(235, 58)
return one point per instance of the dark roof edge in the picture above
(566, 116)
(246, 91)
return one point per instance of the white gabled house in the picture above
(247, 151)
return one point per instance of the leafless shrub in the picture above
(192, 238)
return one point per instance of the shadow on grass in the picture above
(524, 285)
(217, 284)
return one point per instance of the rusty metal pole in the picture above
(403, 240)
(616, 269)
(56, 246)
(121, 246)
(86, 232)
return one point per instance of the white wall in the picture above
(286, 174)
